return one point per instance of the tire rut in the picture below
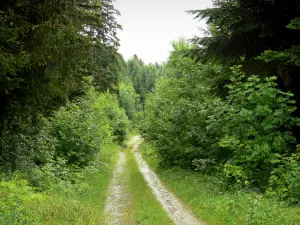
(176, 210)
(119, 199)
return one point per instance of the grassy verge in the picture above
(84, 204)
(146, 207)
(216, 206)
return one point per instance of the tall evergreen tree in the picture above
(243, 30)
(48, 48)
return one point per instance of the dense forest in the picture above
(226, 104)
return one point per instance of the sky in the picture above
(149, 26)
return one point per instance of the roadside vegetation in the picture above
(60, 115)
(66, 203)
(214, 203)
(226, 108)
(227, 103)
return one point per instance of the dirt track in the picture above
(176, 210)
(118, 199)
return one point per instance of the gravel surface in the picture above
(176, 210)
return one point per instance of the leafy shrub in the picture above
(117, 117)
(51, 175)
(27, 146)
(176, 114)
(247, 134)
(14, 196)
(285, 179)
(86, 127)
(81, 133)
(255, 125)
(128, 99)
(55, 150)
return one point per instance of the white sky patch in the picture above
(149, 26)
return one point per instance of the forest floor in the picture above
(137, 196)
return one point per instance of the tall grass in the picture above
(82, 203)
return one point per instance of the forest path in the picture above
(177, 211)
(117, 208)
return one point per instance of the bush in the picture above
(254, 123)
(176, 114)
(285, 179)
(81, 130)
(27, 146)
(14, 196)
(129, 100)
(117, 117)
(54, 149)
(85, 128)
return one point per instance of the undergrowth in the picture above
(212, 203)
(79, 203)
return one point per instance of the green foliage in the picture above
(246, 29)
(247, 135)
(85, 128)
(289, 57)
(286, 57)
(129, 100)
(50, 54)
(47, 50)
(284, 180)
(295, 24)
(117, 117)
(176, 114)
(255, 125)
(143, 76)
(257, 122)
(249, 33)
(15, 195)
(59, 147)
(30, 146)
(218, 204)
